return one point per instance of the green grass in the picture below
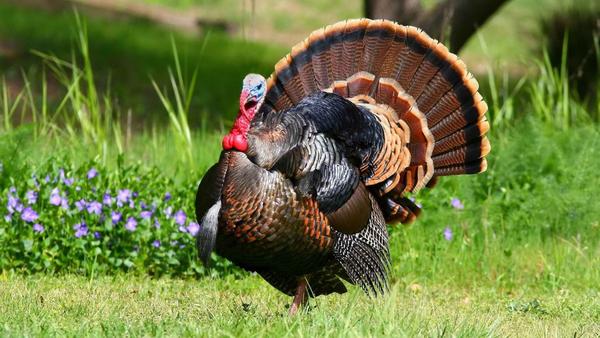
(127, 305)
(523, 261)
(127, 53)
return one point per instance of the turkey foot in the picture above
(300, 297)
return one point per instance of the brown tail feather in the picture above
(463, 136)
(466, 153)
(425, 99)
(418, 43)
(474, 167)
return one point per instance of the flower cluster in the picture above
(124, 219)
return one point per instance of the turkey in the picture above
(325, 153)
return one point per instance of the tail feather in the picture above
(322, 65)
(447, 77)
(427, 70)
(418, 43)
(465, 153)
(392, 60)
(425, 99)
(474, 167)
(334, 35)
(377, 43)
(463, 136)
(353, 46)
(290, 79)
(305, 69)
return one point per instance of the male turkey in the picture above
(322, 155)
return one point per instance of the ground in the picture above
(139, 306)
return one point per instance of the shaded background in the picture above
(225, 39)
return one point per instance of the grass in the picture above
(522, 261)
(128, 53)
(126, 305)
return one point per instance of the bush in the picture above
(58, 218)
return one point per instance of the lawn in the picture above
(522, 259)
(136, 306)
(518, 255)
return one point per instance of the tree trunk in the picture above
(401, 11)
(450, 21)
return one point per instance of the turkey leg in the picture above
(300, 297)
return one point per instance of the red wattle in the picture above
(227, 144)
(235, 140)
(240, 143)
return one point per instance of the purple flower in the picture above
(156, 223)
(55, 198)
(193, 228)
(182, 228)
(81, 229)
(47, 179)
(115, 216)
(180, 217)
(64, 204)
(131, 224)
(156, 244)
(81, 204)
(167, 196)
(92, 173)
(457, 204)
(94, 207)
(38, 228)
(146, 214)
(124, 195)
(168, 212)
(29, 215)
(448, 234)
(8, 217)
(13, 203)
(31, 196)
(107, 200)
(97, 235)
(66, 181)
(131, 204)
(12, 190)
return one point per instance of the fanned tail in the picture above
(427, 103)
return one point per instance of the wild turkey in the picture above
(322, 156)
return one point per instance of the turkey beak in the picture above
(250, 102)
